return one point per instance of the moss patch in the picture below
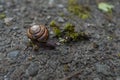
(55, 28)
(72, 35)
(68, 34)
(80, 10)
(2, 15)
(69, 27)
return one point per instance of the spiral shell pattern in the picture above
(38, 32)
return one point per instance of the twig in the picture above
(71, 75)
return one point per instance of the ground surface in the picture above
(93, 63)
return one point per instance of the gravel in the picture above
(61, 20)
(32, 70)
(95, 59)
(96, 79)
(104, 69)
(2, 56)
(13, 54)
(1, 8)
(118, 78)
(8, 20)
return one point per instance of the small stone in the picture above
(2, 56)
(102, 68)
(51, 3)
(97, 36)
(26, 40)
(13, 54)
(8, 21)
(1, 8)
(48, 17)
(6, 78)
(60, 6)
(118, 78)
(31, 57)
(58, 43)
(9, 4)
(65, 11)
(51, 32)
(23, 9)
(89, 25)
(96, 79)
(95, 45)
(32, 69)
(61, 20)
(15, 28)
(66, 59)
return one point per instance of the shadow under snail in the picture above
(39, 34)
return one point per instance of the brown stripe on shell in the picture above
(44, 37)
(47, 35)
(40, 33)
(29, 34)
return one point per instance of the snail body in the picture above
(38, 33)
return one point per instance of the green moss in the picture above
(83, 36)
(2, 15)
(73, 36)
(79, 10)
(55, 28)
(69, 30)
(52, 23)
(69, 27)
(72, 2)
(57, 31)
(68, 34)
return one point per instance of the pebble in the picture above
(13, 54)
(61, 20)
(98, 36)
(58, 43)
(51, 3)
(8, 20)
(2, 43)
(118, 78)
(60, 6)
(25, 40)
(32, 69)
(9, 4)
(15, 28)
(65, 11)
(1, 8)
(2, 1)
(2, 56)
(6, 78)
(48, 17)
(52, 35)
(31, 57)
(23, 9)
(51, 32)
(66, 59)
(102, 68)
(96, 79)
(8, 31)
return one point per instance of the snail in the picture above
(39, 34)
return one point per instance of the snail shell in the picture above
(38, 33)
